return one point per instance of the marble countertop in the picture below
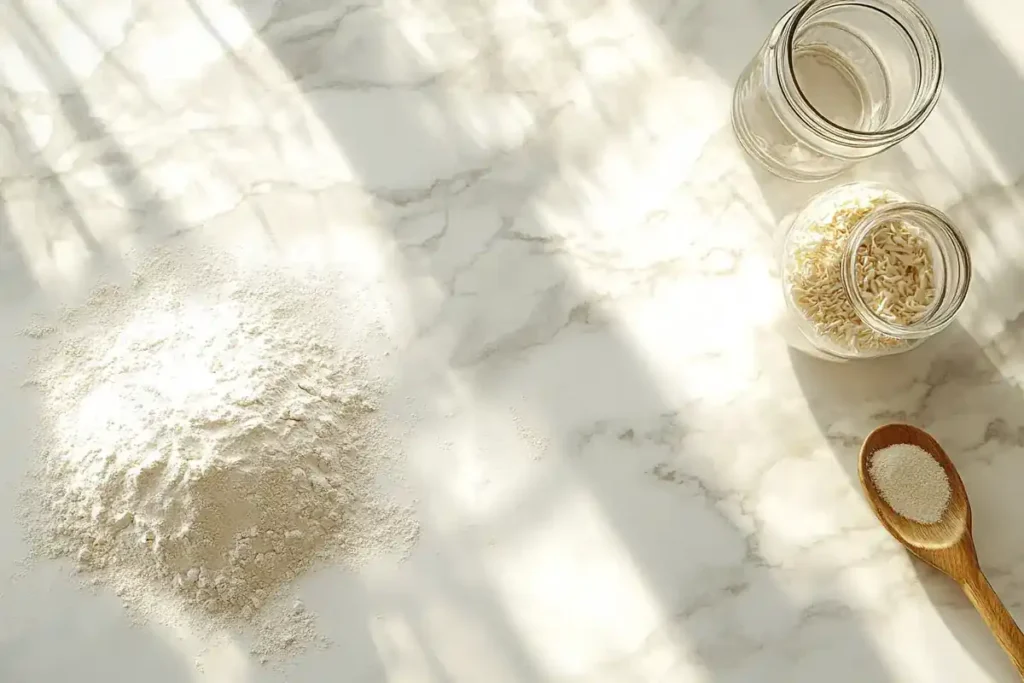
(623, 473)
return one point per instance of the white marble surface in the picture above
(623, 473)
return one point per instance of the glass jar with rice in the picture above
(868, 273)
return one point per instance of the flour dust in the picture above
(206, 441)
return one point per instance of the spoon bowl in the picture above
(947, 545)
(927, 541)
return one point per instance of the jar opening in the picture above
(862, 72)
(950, 263)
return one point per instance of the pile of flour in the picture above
(205, 440)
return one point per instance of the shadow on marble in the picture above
(989, 217)
(53, 197)
(514, 295)
(953, 388)
(19, 284)
(397, 622)
(73, 202)
(987, 83)
(85, 641)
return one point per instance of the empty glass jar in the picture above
(837, 81)
(868, 273)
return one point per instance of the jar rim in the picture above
(941, 230)
(809, 114)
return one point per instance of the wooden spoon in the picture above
(947, 545)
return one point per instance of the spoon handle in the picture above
(981, 594)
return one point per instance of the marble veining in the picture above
(623, 472)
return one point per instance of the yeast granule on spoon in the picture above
(911, 481)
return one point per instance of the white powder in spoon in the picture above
(911, 481)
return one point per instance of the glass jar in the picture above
(867, 273)
(837, 81)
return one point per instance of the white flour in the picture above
(206, 442)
